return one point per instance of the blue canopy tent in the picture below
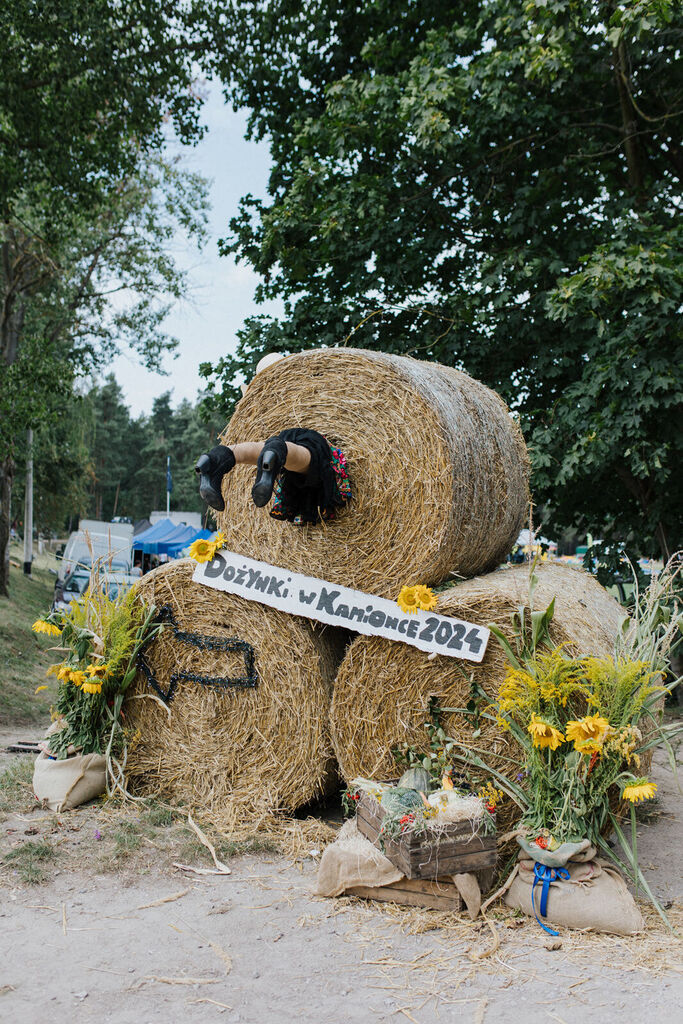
(146, 541)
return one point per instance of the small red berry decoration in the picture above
(542, 842)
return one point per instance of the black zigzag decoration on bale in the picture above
(205, 643)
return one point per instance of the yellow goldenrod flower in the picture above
(78, 678)
(587, 734)
(97, 671)
(39, 688)
(202, 550)
(407, 600)
(426, 599)
(544, 734)
(641, 789)
(92, 686)
(41, 626)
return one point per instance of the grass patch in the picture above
(16, 786)
(127, 839)
(24, 656)
(29, 860)
(159, 816)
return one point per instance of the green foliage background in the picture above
(495, 186)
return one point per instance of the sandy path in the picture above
(81, 948)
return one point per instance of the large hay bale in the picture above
(382, 688)
(232, 751)
(438, 467)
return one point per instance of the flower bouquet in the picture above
(583, 725)
(100, 640)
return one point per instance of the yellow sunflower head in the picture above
(639, 789)
(41, 626)
(92, 686)
(587, 734)
(543, 734)
(408, 601)
(97, 671)
(426, 599)
(202, 550)
(77, 677)
(219, 539)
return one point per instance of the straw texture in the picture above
(438, 467)
(382, 688)
(234, 753)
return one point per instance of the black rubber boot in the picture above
(211, 468)
(270, 462)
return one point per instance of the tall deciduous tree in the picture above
(102, 280)
(493, 185)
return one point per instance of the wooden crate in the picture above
(435, 894)
(453, 851)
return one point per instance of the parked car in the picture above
(75, 586)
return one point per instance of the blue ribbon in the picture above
(545, 875)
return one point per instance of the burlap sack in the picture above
(595, 896)
(352, 860)
(62, 785)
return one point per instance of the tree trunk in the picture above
(6, 476)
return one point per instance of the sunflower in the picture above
(97, 671)
(426, 599)
(202, 550)
(78, 678)
(92, 686)
(639, 789)
(41, 626)
(219, 539)
(587, 734)
(544, 734)
(408, 600)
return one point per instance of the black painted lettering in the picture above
(474, 640)
(306, 598)
(343, 611)
(390, 623)
(443, 633)
(412, 629)
(458, 633)
(326, 600)
(239, 578)
(274, 586)
(215, 567)
(430, 627)
(403, 625)
(262, 583)
(357, 614)
(254, 574)
(229, 573)
(377, 619)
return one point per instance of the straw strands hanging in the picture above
(241, 750)
(438, 467)
(382, 688)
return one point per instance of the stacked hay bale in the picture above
(438, 467)
(382, 689)
(231, 750)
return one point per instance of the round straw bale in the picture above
(438, 467)
(219, 748)
(382, 688)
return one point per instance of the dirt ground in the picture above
(114, 932)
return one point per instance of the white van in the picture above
(95, 540)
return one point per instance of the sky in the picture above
(221, 293)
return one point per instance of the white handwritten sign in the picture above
(340, 606)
